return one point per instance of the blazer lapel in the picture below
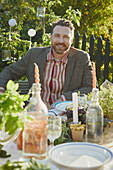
(42, 64)
(69, 69)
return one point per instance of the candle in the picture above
(75, 107)
(94, 75)
(37, 80)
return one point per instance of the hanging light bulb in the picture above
(31, 33)
(12, 22)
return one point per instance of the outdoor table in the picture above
(17, 154)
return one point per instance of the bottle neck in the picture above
(36, 88)
(36, 106)
(95, 96)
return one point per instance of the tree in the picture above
(96, 15)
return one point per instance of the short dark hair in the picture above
(63, 22)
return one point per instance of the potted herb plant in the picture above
(11, 112)
(106, 101)
(77, 131)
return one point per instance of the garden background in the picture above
(92, 17)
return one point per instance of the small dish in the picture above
(61, 106)
(80, 156)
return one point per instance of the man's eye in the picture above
(66, 37)
(56, 35)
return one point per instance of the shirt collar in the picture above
(50, 57)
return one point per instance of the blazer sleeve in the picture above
(15, 71)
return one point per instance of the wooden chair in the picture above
(23, 86)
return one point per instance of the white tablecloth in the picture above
(17, 154)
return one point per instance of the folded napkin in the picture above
(54, 112)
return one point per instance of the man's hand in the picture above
(2, 90)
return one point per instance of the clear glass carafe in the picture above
(94, 119)
(35, 128)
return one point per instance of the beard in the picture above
(60, 48)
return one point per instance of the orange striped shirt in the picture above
(54, 77)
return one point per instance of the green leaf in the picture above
(1, 146)
(3, 154)
(32, 164)
(78, 22)
(1, 119)
(25, 97)
(11, 124)
(10, 84)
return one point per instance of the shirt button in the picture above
(54, 79)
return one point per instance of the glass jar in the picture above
(94, 119)
(35, 128)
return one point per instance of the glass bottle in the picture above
(94, 119)
(35, 127)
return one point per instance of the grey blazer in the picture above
(78, 70)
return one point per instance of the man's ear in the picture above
(71, 41)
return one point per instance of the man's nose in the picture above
(61, 39)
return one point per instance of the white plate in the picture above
(61, 106)
(80, 156)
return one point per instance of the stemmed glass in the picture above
(82, 101)
(54, 129)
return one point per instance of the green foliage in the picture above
(73, 15)
(65, 135)
(92, 17)
(11, 108)
(105, 100)
(46, 40)
(32, 164)
(17, 47)
(3, 153)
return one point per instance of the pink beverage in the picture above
(35, 137)
(35, 128)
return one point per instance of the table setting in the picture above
(60, 157)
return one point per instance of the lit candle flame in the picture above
(37, 80)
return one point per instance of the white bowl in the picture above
(80, 156)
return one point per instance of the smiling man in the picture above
(61, 40)
(63, 69)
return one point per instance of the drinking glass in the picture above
(54, 129)
(82, 106)
(82, 101)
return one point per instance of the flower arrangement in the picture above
(77, 126)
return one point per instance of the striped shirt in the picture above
(54, 77)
